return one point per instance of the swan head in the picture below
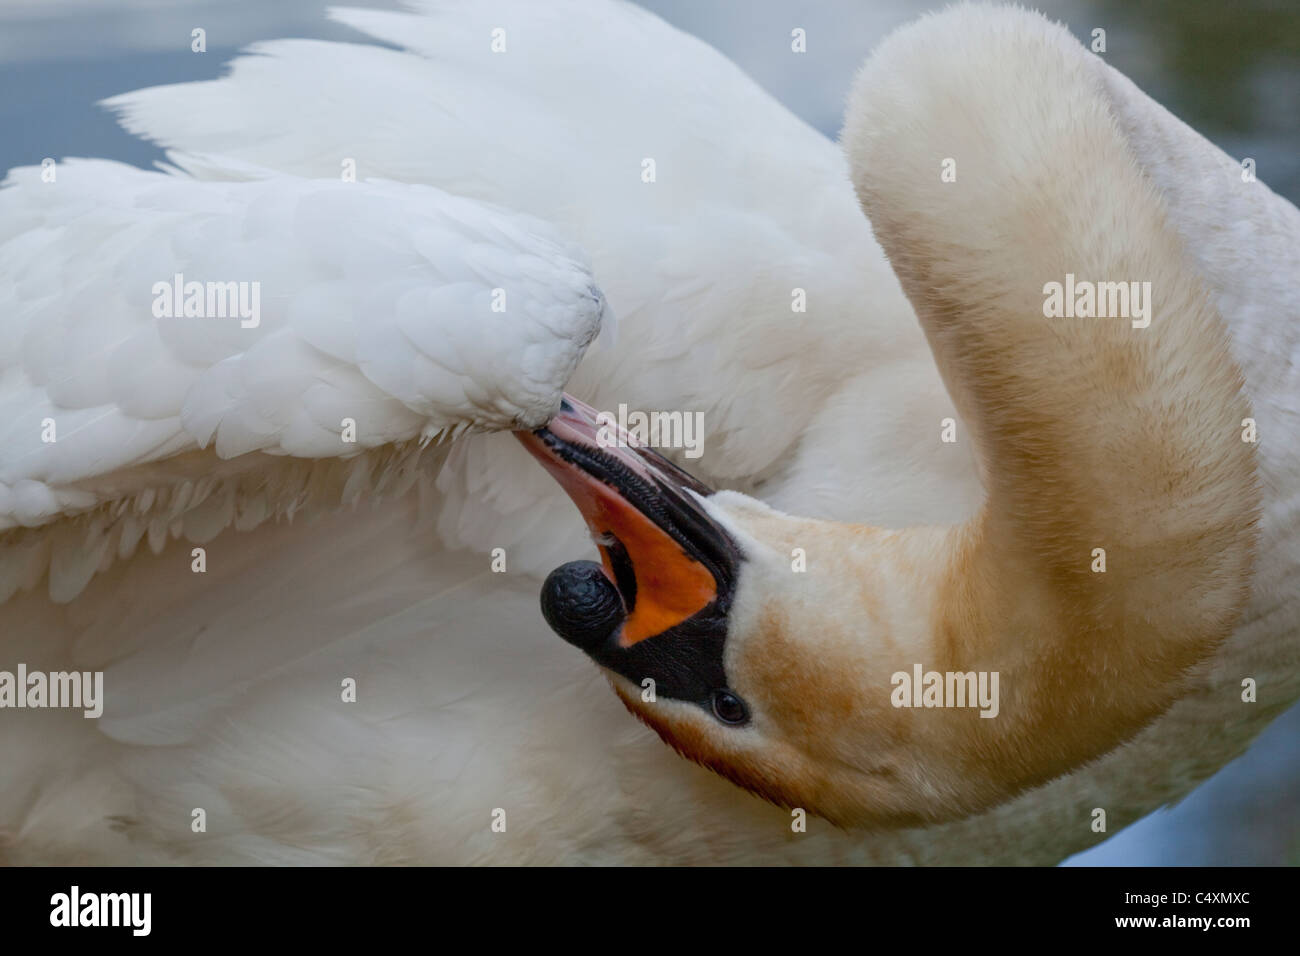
(729, 629)
(882, 678)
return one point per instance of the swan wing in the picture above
(396, 314)
(177, 357)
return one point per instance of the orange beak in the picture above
(658, 547)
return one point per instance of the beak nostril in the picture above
(620, 562)
(582, 605)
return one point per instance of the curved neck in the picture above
(1114, 550)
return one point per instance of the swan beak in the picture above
(667, 559)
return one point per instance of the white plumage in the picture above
(385, 314)
(223, 688)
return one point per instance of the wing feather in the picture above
(360, 305)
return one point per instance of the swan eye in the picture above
(729, 708)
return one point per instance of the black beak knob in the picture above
(581, 605)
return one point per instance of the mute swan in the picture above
(223, 687)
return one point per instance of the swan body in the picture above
(222, 689)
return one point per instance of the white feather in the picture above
(376, 305)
